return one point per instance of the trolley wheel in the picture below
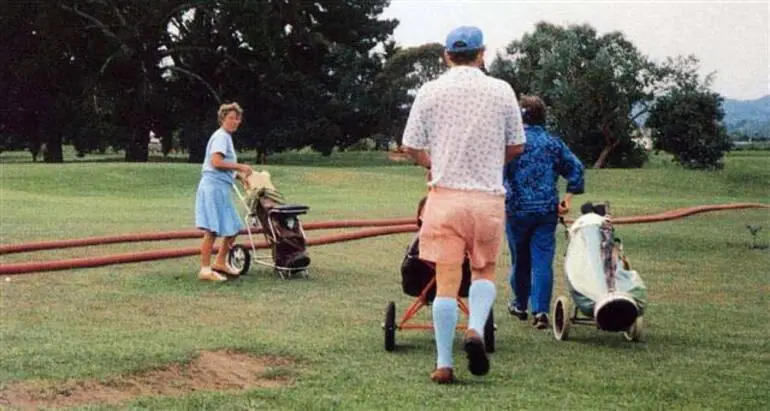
(239, 258)
(489, 333)
(389, 327)
(561, 318)
(636, 330)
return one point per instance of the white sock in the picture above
(481, 296)
(445, 320)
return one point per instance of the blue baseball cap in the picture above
(464, 38)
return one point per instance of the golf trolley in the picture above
(418, 279)
(604, 291)
(267, 212)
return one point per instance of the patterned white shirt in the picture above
(465, 119)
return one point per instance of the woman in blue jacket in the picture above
(532, 211)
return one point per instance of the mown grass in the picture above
(707, 326)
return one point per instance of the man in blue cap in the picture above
(463, 126)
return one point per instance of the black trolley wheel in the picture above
(561, 318)
(389, 327)
(239, 258)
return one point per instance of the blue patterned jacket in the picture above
(531, 178)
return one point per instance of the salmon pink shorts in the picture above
(456, 223)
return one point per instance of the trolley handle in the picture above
(566, 228)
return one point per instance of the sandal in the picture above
(227, 270)
(211, 276)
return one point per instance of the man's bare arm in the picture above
(421, 157)
(512, 152)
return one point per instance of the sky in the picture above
(731, 38)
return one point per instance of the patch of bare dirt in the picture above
(211, 371)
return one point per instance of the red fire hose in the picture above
(385, 227)
(182, 235)
(679, 213)
(321, 225)
(683, 212)
(30, 267)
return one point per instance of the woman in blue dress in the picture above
(215, 212)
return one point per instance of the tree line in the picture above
(103, 74)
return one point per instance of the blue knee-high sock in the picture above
(481, 296)
(444, 322)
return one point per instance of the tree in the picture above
(594, 86)
(205, 71)
(404, 72)
(687, 124)
(129, 41)
(304, 70)
(40, 83)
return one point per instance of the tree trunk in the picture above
(195, 156)
(610, 144)
(261, 156)
(604, 154)
(137, 150)
(196, 147)
(35, 149)
(53, 150)
(36, 143)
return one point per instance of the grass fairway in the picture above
(707, 343)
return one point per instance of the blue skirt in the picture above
(214, 209)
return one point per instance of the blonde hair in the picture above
(225, 109)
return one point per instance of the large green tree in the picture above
(209, 66)
(405, 70)
(130, 41)
(686, 119)
(305, 70)
(595, 86)
(40, 85)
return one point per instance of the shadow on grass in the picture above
(605, 339)
(406, 345)
(187, 282)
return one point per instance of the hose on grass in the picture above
(183, 235)
(381, 227)
(126, 258)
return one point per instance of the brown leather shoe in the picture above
(478, 363)
(443, 376)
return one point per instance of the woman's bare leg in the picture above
(227, 244)
(207, 244)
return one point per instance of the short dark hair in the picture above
(532, 110)
(483, 68)
(464, 57)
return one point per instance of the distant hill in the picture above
(750, 117)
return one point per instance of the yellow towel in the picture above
(259, 186)
(258, 180)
